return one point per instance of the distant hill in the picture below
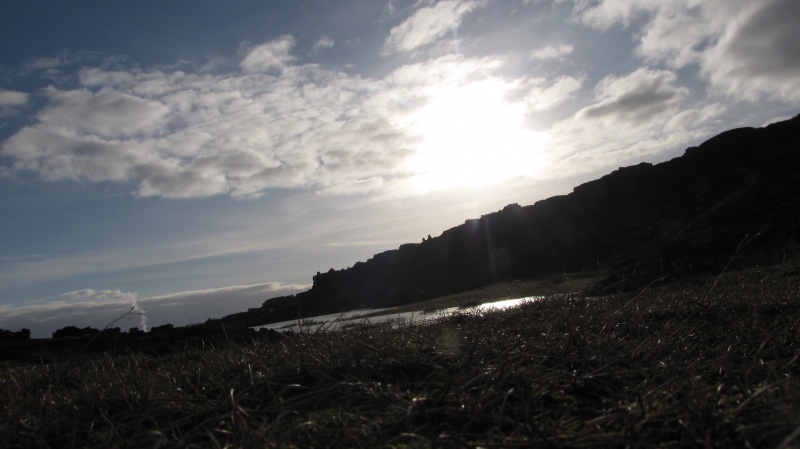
(736, 194)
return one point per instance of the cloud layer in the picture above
(745, 49)
(178, 135)
(486, 97)
(99, 308)
(274, 125)
(278, 122)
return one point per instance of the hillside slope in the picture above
(688, 214)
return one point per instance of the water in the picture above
(339, 320)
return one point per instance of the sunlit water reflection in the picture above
(356, 317)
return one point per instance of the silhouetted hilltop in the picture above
(737, 193)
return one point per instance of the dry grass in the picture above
(675, 366)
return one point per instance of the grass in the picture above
(678, 365)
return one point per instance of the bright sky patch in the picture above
(472, 137)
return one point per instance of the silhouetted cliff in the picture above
(690, 213)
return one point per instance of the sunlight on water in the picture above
(500, 305)
(357, 317)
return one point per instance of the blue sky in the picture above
(195, 158)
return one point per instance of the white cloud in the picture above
(355, 187)
(47, 63)
(11, 101)
(269, 57)
(671, 30)
(552, 52)
(53, 64)
(105, 113)
(182, 135)
(429, 24)
(103, 297)
(10, 98)
(677, 34)
(323, 43)
(603, 14)
(542, 97)
(196, 306)
(694, 117)
(639, 97)
(81, 308)
(633, 117)
(60, 153)
(747, 50)
(444, 70)
(99, 295)
(758, 55)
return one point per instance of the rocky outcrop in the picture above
(735, 194)
(7, 335)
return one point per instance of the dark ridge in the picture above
(734, 195)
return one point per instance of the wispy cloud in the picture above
(323, 43)
(198, 305)
(98, 308)
(40, 268)
(542, 94)
(429, 24)
(110, 296)
(552, 52)
(269, 57)
(54, 64)
(11, 101)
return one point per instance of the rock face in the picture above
(737, 193)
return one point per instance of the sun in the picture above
(471, 136)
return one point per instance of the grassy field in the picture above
(700, 362)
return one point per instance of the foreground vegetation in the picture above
(701, 362)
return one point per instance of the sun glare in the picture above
(472, 137)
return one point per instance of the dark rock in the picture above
(733, 195)
(731, 200)
(163, 329)
(74, 332)
(6, 335)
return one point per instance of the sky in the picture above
(193, 158)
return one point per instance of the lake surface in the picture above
(355, 317)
